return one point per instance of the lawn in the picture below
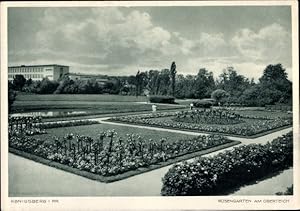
(264, 114)
(91, 107)
(94, 131)
(80, 97)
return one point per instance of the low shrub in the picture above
(205, 103)
(161, 99)
(230, 169)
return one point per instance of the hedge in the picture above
(161, 99)
(230, 169)
(204, 103)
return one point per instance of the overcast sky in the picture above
(120, 41)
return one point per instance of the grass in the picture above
(103, 103)
(94, 131)
(91, 107)
(81, 97)
(94, 114)
(268, 114)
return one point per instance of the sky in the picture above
(123, 40)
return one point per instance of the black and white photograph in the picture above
(167, 101)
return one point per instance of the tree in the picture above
(219, 95)
(233, 83)
(273, 73)
(153, 82)
(164, 81)
(274, 80)
(47, 86)
(250, 96)
(18, 82)
(28, 82)
(204, 84)
(173, 75)
(63, 83)
(186, 86)
(138, 83)
(180, 86)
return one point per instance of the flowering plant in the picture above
(230, 169)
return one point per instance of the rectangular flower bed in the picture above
(111, 157)
(242, 126)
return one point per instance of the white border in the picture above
(138, 203)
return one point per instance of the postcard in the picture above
(149, 105)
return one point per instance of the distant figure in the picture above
(154, 108)
(191, 106)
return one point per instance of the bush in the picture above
(230, 169)
(204, 103)
(219, 95)
(161, 99)
(289, 191)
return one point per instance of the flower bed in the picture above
(249, 128)
(109, 155)
(28, 125)
(24, 123)
(71, 123)
(214, 175)
(208, 116)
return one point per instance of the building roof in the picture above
(84, 75)
(43, 65)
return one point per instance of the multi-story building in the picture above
(38, 72)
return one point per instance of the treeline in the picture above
(64, 85)
(272, 87)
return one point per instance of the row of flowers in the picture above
(34, 125)
(29, 125)
(244, 129)
(110, 154)
(267, 115)
(24, 122)
(208, 116)
(230, 169)
(48, 125)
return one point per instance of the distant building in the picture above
(38, 72)
(85, 77)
